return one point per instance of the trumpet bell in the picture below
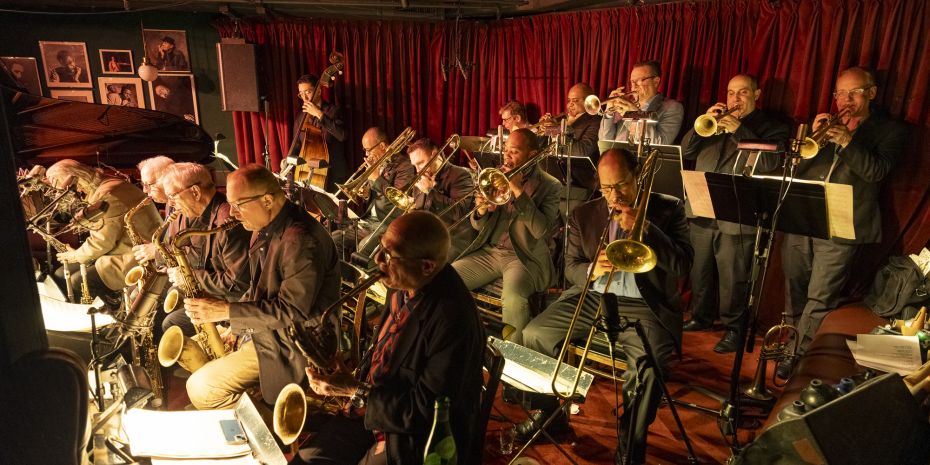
(631, 256)
(134, 275)
(705, 125)
(809, 148)
(592, 105)
(290, 413)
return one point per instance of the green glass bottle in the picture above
(440, 447)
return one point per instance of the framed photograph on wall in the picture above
(121, 91)
(25, 71)
(65, 64)
(116, 61)
(166, 49)
(176, 95)
(75, 95)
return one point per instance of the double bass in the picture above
(313, 146)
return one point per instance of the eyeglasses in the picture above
(372, 148)
(639, 82)
(508, 118)
(387, 255)
(851, 92)
(176, 194)
(237, 205)
(611, 188)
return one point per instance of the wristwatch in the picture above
(361, 395)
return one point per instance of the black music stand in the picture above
(669, 165)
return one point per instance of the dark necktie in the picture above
(384, 348)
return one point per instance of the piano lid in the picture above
(45, 130)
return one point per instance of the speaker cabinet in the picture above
(238, 76)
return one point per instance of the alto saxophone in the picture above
(171, 300)
(144, 270)
(207, 344)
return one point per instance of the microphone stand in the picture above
(565, 142)
(266, 153)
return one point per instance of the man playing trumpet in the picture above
(643, 96)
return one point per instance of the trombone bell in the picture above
(631, 256)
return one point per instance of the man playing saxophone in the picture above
(219, 261)
(293, 277)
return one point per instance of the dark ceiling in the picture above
(429, 10)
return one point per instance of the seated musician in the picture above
(396, 172)
(513, 116)
(512, 241)
(643, 96)
(327, 117)
(151, 171)
(220, 261)
(860, 149)
(430, 345)
(582, 132)
(651, 297)
(108, 248)
(294, 276)
(444, 190)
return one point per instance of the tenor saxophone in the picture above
(206, 345)
(171, 300)
(144, 270)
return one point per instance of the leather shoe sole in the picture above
(525, 430)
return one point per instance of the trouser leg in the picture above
(546, 332)
(518, 286)
(734, 262)
(829, 271)
(221, 382)
(341, 441)
(796, 260)
(477, 269)
(704, 274)
(180, 319)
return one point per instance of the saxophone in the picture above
(145, 270)
(171, 300)
(192, 353)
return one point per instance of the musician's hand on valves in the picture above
(840, 135)
(425, 184)
(729, 123)
(313, 110)
(206, 309)
(339, 384)
(820, 120)
(602, 266)
(622, 105)
(144, 252)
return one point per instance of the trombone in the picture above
(706, 125)
(814, 142)
(630, 255)
(593, 105)
(357, 186)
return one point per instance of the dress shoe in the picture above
(784, 369)
(695, 325)
(511, 395)
(727, 343)
(524, 431)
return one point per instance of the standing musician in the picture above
(652, 297)
(108, 247)
(582, 131)
(513, 116)
(329, 118)
(512, 239)
(443, 190)
(220, 260)
(293, 277)
(861, 149)
(430, 345)
(643, 96)
(396, 172)
(723, 245)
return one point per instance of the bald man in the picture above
(861, 150)
(431, 344)
(651, 297)
(723, 250)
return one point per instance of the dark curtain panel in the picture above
(394, 79)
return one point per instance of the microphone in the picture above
(500, 138)
(612, 324)
(91, 213)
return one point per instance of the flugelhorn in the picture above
(780, 343)
(594, 106)
(706, 125)
(357, 186)
(814, 142)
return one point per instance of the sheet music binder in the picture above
(531, 371)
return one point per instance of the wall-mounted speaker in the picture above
(238, 75)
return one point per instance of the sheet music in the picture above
(698, 193)
(65, 316)
(888, 353)
(182, 434)
(840, 210)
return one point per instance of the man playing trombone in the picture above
(651, 297)
(512, 241)
(643, 96)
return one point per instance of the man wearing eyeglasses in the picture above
(723, 250)
(861, 150)
(219, 261)
(397, 173)
(151, 173)
(651, 297)
(293, 278)
(644, 85)
(513, 116)
(326, 116)
(430, 345)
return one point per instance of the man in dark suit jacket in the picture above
(723, 245)
(294, 276)
(444, 189)
(328, 117)
(512, 238)
(861, 150)
(644, 83)
(652, 297)
(431, 344)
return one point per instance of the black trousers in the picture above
(721, 268)
(95, 285)
(340, 441)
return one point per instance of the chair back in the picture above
(494, 364)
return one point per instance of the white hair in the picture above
(182, 175)
(157, 165)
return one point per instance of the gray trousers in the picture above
(721, 268)
(815, 272)
(488, 264)
(340, 441)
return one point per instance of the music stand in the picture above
(668, 162)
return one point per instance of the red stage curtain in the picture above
(795, 47)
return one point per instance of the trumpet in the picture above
(706, 125)
(357, 186)
(319, 345)
(593, 105)
(775, 346)
(544, 124)
(814, 142)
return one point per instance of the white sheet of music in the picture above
(182, 434)
(886, 352)
(65, 316)
(840, 210)
(698, 193)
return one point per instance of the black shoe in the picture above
(695, 325)
(727, 343)
(524, 431)
(511, 395)
(784, 369)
